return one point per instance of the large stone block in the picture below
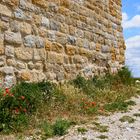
(13, 38)
(5, 11)
(25, 54)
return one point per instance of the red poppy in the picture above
(16, 110)
(24, 110)
(7, 90)
(4, 94)
(11, 95)
(93, 103)
(22, 97)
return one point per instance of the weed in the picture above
(48, 129)
(101, 128)
(127, 119)
(60, 127)
(81, 130)
(102, 137)
(136, 114)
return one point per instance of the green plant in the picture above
(124, 76)
(127, 119)
(60, 127)
(48, 129)
(136, 114)
(102, 137)
(82, 130)
(17, 103)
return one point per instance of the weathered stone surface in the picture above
(57, 47)
(45, 22)
(25, 75)
(5, 11)
(30, 41)
(13, 38)
(71, 50)
(25, 28)
(9, 51)
(14, 26)
(39, 55)
(55, 58)
(24, 53)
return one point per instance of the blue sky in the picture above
(131, 25)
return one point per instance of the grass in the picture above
(136, 114)
(127, 119)
(78, 101)
(81, 130)
(102, 137)
(100, 128)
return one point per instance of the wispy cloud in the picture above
(133, 42)
(134, 22)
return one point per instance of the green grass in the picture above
(127, 119)
(100, 128)
(102, 137)
(81, 130)
(136, 114)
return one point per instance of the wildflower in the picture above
(11, 95)
(4, 94)
(7, 90)
(24, 110)
(93, 103)
(16, 110)
(22, 97)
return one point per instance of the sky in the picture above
(131, 30)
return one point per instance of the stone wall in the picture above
(58, 39)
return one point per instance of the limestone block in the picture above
(55, 58)
(9, 51)
(24, 54)
(15, 27)
(56, 47)
(25, 75)
(5, 11)
(45, 22)
(39, 55)
(25, 28)
(48, 45)
(20, 65)
(71, 50)
(30, 41)
(13, 38)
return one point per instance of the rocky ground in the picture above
(109, 127)
(105, 127)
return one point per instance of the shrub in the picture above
(124, 76)
(60, 127)
(16, 104)
(47, 89)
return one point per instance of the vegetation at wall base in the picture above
(27, 105)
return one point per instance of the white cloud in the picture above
(134, 22)
(124, 17)
(133, 42)
(132, 54)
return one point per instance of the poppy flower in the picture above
(17, 110)
(11, 95)
(4, 94)
(22, 97)
(24, 110)
(7, 90)
(93, 103)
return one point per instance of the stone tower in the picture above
(58, 39)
